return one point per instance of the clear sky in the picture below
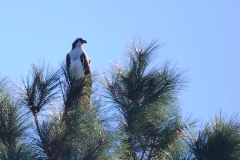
(201, 36)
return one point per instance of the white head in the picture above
(78, 43)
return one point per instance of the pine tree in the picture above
(146, 98)
(219, 139)
(12, 128)
(56, 117)
(71, 131)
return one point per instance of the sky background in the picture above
(201, 36)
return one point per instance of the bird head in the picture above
(78, 43)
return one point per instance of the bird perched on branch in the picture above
(77, 61)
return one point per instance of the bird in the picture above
(77, 62)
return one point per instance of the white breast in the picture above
(76, 68)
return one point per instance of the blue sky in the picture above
(201, 36)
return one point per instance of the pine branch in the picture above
(39, 90)
(91, 155)
(12, 127)
(143, 96)
(152, 146)
(46, 148)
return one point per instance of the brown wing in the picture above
(68, 61)
(86, 64)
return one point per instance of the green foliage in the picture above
(218, 140)
(40, 88)
(146, 99)
(12, 128)
(72, 131)
(57, 117)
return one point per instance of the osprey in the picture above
(78, 63)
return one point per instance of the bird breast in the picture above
(76, 68)
(75, 53)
